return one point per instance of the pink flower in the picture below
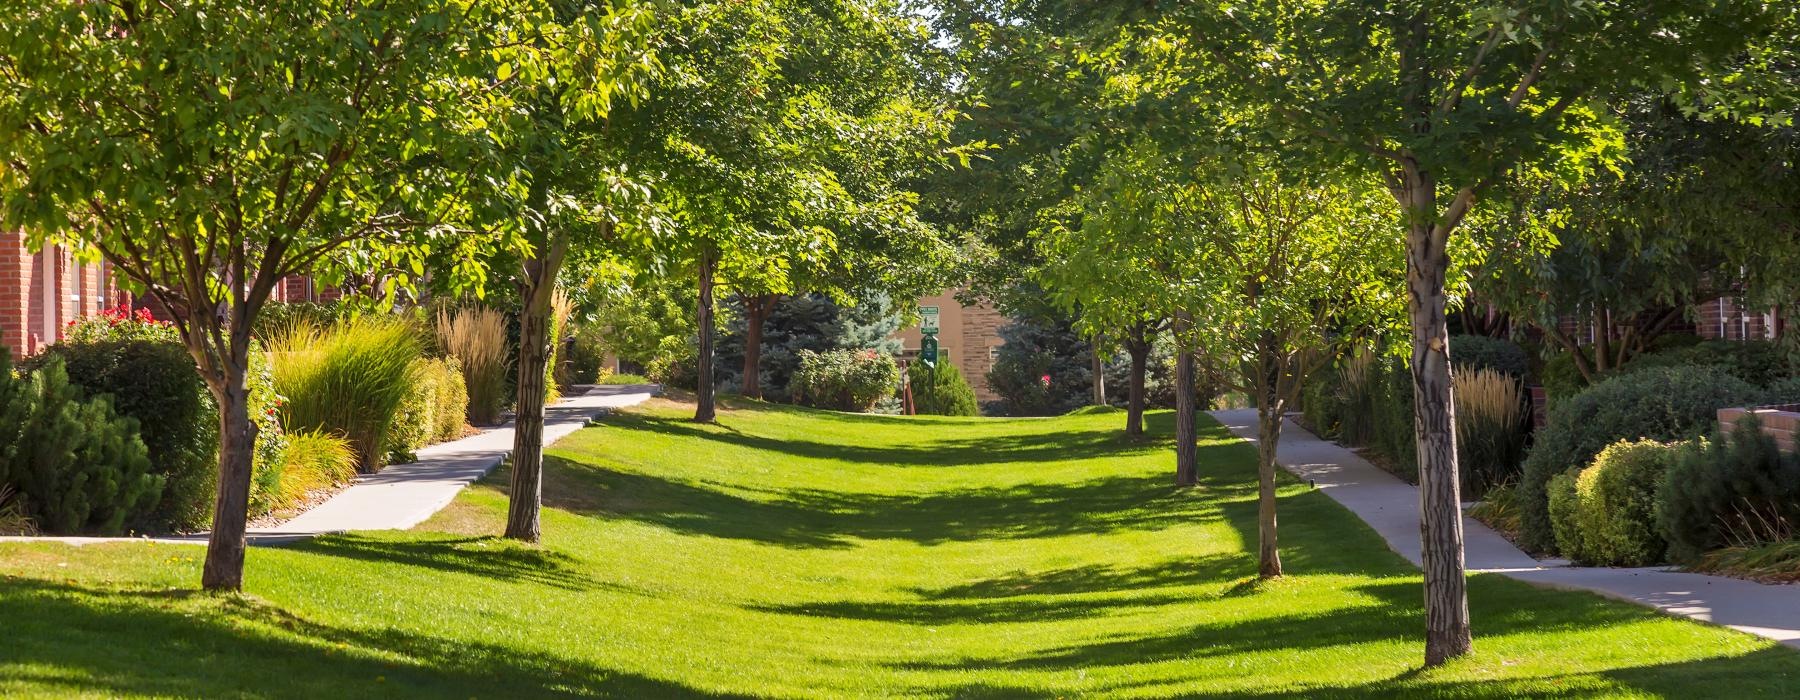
(1045, 380)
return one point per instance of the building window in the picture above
(993, 352)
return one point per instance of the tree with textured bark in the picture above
(579, 196)
(1443, 100)
(1285, 261)
(207, 151)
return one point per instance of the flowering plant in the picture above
(119, 323)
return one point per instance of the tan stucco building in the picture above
(969, 336)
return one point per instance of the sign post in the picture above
(928, 350)
(928, 320)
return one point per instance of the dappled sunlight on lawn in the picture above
(792, 553)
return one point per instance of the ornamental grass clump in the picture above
(348, 379)
(313, 461)
(476, 337)
(1490, 428)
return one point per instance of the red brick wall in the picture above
(1722, 319)
(15, 282)
(79, 289)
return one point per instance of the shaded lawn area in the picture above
(793, 553)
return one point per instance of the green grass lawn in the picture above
(794, 553)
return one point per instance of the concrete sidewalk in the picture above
(1391, 507)
(404, 495)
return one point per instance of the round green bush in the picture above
(845, 380)
(941, 390)
(1483, 352)
(1665, 403)
(1563, 507)
(156, 384)
(1616, 505)
(1759, 362)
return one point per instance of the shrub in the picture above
(1392, 417)
(585, 356)
(348, 379)
(120, 324)
(1658, 404)
(1613, 519)
(1036, 348)
(618, 379)
(1322, 404)
(451, 405)
(77, 466)
(1025, 384)
(476, 337)
(1561, 378)
(1758, 362)
(432, 410)
(155, 383)
(1563, 503)
(312, 461)
(1483, 352)
(941, 390)
(846, 380)
(1490, 428)
(1736, 489)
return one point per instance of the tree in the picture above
(1443, 100)
(1700, 209)
(206, 161)
(578, 194)
(784, 132)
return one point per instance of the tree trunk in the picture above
(756, 311)
(1269, 425)
(1447, 633)
(1187, 448)
(1099, 373)
(704, 410)
(536, 288)
(1134, 401)
(224, 568)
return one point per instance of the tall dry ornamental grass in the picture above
(1356, 379)
(1490, 427)
(347, 379)
(476, 337)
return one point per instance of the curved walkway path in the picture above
(404, 495)
(1391, 507)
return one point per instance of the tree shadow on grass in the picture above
(820, 518)
(1099, 579)
(940, 452)
(74, 640)
(487, 557)
(1062, 594)
(1765, 673)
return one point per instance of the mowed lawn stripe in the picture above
(786, 552)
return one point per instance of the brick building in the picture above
(41, 292)
(968, 335)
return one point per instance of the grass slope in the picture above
(788, 552)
